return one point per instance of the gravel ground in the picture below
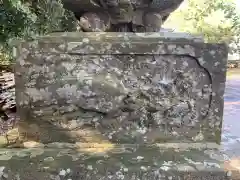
(231, 122)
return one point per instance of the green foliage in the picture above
(14, 17)
(51, 16)
(26, 19)
(216, 20)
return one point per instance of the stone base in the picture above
(106, 161)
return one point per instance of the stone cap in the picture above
(120, 36)
(120, 43)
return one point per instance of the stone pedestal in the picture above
(121, 87)
(131, 92)
(129, 162)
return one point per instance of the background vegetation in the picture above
(216, 20)
(28, 18)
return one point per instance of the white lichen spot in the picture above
(83, 75)
(107, 46)
(171, 47)
(217, 123)
(201, 61)
(38, 112)
(21, 62)
(85, 40)
(190, 50)
(229, 174)
(53, 50)
(211, 164)
(125, 169)
(14, 52)
(43, 69)
(119, 175)
(140, 158)
(110, 136)
(185, 168)
(2, 168)
(185, 64)
(110, 176)
(68, 91)
(212, 52)
(48, 159)
(165, 168)
(33, 44)
(198, 137)
(62, 173)
(2, 171)
(69, 66)
(175, 133)
(126, 38)
(89, 167)
(24, 102)
(216, 63)
(68, 171)
(72, 45)
(143, 168)
(62, 46)
(165, 80)
(142, 130)
(190, 161)
(123, 45)
(199, 94)
(160, 49)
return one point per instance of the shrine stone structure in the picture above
(117, 105)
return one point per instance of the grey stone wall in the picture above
(121, 87)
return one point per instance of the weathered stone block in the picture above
(122, 162)
(121, 87)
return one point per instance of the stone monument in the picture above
(121, 15)
(119, 100)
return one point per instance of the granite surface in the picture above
(122, 87)
(117, 106)
(105, 162)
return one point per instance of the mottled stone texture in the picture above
(121, 87)
(119, 163)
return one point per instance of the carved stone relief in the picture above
(153, 93)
